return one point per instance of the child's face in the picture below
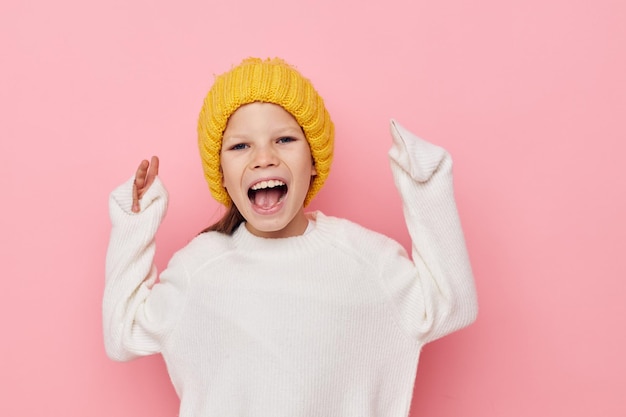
(267, 168)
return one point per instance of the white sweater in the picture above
(326, 324)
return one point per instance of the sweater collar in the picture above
(310, 239)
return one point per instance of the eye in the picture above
(286, 139)
(238, 147)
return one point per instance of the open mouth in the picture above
(267, 194)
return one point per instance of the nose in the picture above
(263, 157)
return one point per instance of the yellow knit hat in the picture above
(270, 81)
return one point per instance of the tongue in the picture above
(267, 197)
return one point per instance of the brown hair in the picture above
(228, 223)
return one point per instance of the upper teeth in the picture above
(267, 184)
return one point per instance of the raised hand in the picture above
(144, 177)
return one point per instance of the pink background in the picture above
(528, 95)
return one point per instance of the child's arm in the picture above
(135, 310)
(444, 299)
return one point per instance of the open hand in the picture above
(144, 177)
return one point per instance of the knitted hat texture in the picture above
(269, 81)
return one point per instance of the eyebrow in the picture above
(278, 132)
(289, 129)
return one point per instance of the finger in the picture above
(135, 207)
(140, 178)
(140, 175)
(153, 171)
(155, 164)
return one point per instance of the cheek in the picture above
(231, 176)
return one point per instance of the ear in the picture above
(222, 175)
(313, 170)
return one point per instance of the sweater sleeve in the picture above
(437, 293)
(137, 311)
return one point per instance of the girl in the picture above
(274, 311)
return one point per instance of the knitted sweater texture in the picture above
(329, 323)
